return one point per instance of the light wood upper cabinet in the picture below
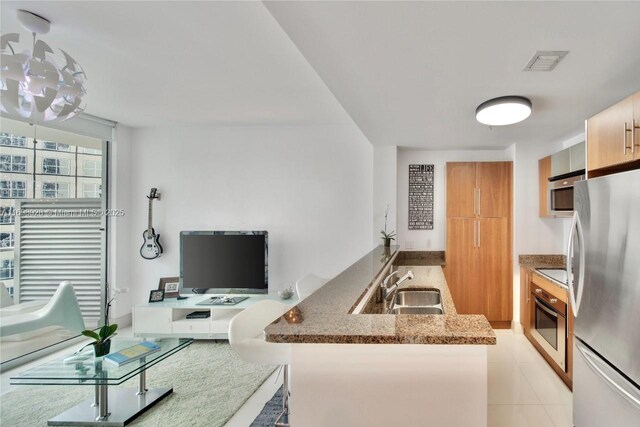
(544, 172)
(609, 135)
(493, 180)
(461, 189)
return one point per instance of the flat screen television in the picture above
(224, 262)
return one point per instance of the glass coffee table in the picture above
(110, 406)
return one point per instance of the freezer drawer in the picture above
(601, 396)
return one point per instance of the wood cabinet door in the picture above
(466, 288)
(636, 126)
(607, 134)
(525, 299)
(544, 172)
(494, 267)
(494, 189)
(461, 187)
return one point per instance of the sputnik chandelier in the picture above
(34, 87)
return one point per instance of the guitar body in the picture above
(151, 247)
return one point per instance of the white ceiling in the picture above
(412, 73)
(184, 63)
(408, 73)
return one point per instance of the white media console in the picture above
(169, 317)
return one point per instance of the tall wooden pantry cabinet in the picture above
(479, 243)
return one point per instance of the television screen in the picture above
(224, 261)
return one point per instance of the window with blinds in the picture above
(60, 240)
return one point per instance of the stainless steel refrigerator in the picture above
(604, 289)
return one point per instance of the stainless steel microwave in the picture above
(560, 191)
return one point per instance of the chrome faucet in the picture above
(389, 291)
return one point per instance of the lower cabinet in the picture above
(525, 300)
(479, 271)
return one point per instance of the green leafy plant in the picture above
(106, 332)
(385, 235)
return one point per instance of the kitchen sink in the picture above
(413, 298)
(416, 310)
(417, 301)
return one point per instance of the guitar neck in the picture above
(150, 214)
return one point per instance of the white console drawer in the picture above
(191, 326)
(152, 320)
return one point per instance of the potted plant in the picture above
(387, 237)
(102, 343)
(102, 338)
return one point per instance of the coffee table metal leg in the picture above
(142, 383)
(103, 399)
(96, 396)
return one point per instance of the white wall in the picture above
(385, 182)
(311, 187)
(433, 240)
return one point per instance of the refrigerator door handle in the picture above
(597, 366)
(575, 294)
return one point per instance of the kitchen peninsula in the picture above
(432, 368)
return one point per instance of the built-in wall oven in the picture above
(549, 325)
(561, 193)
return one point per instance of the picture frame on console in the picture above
(170, 286)
(156, 295)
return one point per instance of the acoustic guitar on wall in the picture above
(151, 247)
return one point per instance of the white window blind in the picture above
(56, 241)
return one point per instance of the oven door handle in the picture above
(545, 308)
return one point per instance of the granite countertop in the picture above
(325, 316)
(542, 261)
(533, 262)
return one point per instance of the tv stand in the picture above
(168, 318)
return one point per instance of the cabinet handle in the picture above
(478, 215)
(475, 204)
(475, 235)
(624, 149)
(478, 233)
(633, 135)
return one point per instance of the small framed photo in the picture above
(170, 286)
(156, 295)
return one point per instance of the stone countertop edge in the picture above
(533, 262)
(325, 318)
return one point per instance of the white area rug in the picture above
(210, 383)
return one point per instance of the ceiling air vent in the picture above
(545, 60)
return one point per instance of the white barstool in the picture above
(308, 284)
(247, 338)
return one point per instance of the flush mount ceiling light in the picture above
(33, 85)
(505, 110)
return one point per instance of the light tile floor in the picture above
(523, 389)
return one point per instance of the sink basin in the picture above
(416, 310)
(413, 298)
